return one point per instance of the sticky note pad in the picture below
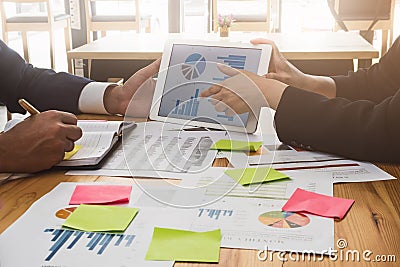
(326, 206)
(100, 194)
(249, 176)
(236, 145)
(181, 245)
(68, 155)
(94, 218)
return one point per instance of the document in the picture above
(254, 223)
(214, 183)
(236, 159)
(156, 147)
(98, 137)
(37, 238)
(281, 153)
(249, 220)
(342, 171)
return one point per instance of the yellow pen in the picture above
(28, 107)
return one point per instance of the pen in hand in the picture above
(28, 107)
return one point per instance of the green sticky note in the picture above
(255, 175)
(236, 145)
(180, 245)
(95, 218)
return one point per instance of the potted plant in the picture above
(224, 23)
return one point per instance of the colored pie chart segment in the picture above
(194, 66)
(65, 212)
(283, 219)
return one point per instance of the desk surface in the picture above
(373, 222)
(294, 46)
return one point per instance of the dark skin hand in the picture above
(39, 142)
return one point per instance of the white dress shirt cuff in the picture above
(91, 99)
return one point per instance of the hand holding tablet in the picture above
(189, 68)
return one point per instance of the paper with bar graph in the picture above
(192, 69)
(37, 238)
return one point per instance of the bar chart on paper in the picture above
(215, 213)
(98, 243)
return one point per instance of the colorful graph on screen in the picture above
(189, 107)
(194, 66)
(233, 61)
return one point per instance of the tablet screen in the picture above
(191, 70)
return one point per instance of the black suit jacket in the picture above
(362, 122)
(43, 88)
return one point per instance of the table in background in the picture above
(294, 46)
(373, 222)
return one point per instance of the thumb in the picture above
(147, 72)
(276, 76)
(272, 75)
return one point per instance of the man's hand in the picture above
(39, 142)
(117, 98)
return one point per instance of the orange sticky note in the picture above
(318, 204)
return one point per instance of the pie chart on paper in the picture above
(65, 212)
(283, 219)
(194, 66)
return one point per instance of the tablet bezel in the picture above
(252, 121)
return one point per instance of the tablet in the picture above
(189, 67)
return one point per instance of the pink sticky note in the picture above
(322, 205)
(100, 194)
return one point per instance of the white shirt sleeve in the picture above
(91, 98)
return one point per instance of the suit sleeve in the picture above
(361, 129)
(376, 83)
(43, 88)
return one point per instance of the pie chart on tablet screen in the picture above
(194, 66)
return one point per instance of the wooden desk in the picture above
(373, 222)
(304, 46)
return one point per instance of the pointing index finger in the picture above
(211, 91)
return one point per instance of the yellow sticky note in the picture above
(68, 155)
(97, 218)
(236, 145)
(249, 176)
(180, 245)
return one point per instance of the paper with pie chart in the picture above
(192, 70)
(284, 219)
